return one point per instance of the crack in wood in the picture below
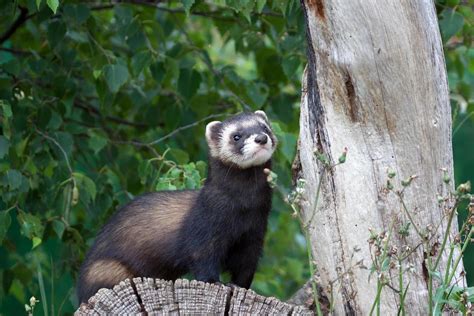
(318, 7)
(139, 299)
(319, 136)
(316, 110)
(351, 96)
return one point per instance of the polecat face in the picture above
(245, 140)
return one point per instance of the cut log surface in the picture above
(183, 297)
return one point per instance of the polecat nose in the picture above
(261, 139)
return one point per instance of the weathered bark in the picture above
(183, 297)
(376, 84)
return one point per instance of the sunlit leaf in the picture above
(36, 242)
(187, 4)
(53, 5)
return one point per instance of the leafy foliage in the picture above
(89, 93)
(456, 20)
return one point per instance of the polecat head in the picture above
(245, 140)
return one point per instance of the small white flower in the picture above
(19, 94)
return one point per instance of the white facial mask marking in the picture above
(253, 154)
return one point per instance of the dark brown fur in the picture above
(167, 234)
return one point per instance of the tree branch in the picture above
(15, 51)
(22, 18)
(174, 132)
(115, 119)
(182, 128)
(211, 14)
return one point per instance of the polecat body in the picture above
(220, 227)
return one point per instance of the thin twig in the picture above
(15, 51)
(418, 231)
(445, 238)
(316, 199)
(90, 108)
(182, 128)
(171, 134)
(60, 148)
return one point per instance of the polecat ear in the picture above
(212, 132)
(262, 114)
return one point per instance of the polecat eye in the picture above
(237, 137)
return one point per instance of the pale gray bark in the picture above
(376, 84)
(183, 297)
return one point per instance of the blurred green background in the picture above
(85, 87)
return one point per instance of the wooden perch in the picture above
(183, 297)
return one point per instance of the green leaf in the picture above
(113, 180)
(97, 142)
(96, 73)
(36, 242)
(115, 76)
(137, 40)
(290, 65)
(436, 275)
(165, 184)
(158, 71)
(79, 13)
(242, 6)
(56, 31)
(12, 67)
(6, 108)
(5, 221)
(201, 166)
(79, 37)
(53, 5)
(261, 5)
(188, 82)
(385, 264)
(187, 4)
(450, 24)
(89, 186)
(140, 61)
(287, 144)
(38, 3)
(59, 227)
(258, 93)
(66, 141)
(179, 155)
(14, 179)
(55, 122)
(4, 146)
(30, 225)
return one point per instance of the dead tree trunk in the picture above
(183, 297)
(376, 84)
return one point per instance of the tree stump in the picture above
(183, 297)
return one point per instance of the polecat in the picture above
(220, 227)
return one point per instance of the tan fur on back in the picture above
(158, 222)
(107, 272)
